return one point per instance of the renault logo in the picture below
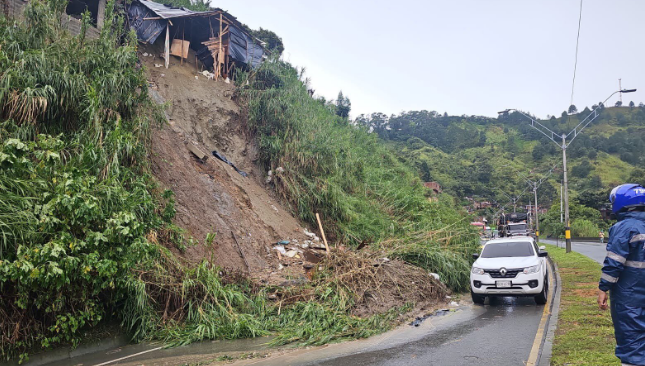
(503, 272)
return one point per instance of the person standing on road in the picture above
(623, 273)
(602, 237)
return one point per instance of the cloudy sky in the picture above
(473, 57)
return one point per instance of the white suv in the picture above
(510, 267)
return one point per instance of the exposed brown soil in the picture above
(211, 197)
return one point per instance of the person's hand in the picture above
(602, 300)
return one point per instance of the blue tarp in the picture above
(147, 30)
(241, 48)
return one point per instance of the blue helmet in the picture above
(626, 196)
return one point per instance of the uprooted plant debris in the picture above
(368, 282)
(352, 295)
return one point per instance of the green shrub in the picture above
(584, 228)
(76, 202)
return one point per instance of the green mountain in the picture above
(491, 158)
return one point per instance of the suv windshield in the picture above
(511, 249)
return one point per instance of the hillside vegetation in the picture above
(84, 228)
(489, 159)
(345, 172)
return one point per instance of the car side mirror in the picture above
(542, 247)
(475, 255)
(543, 253)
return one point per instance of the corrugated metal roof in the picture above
(167, 12)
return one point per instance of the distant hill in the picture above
(483, 157)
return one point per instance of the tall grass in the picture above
(360, 187)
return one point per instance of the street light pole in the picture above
(574, 133)
(535, 184)
(567, 226)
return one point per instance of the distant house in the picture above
(481, 205)
(434, 186)
(72, 18)
(531, 209)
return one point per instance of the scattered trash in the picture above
(209, 75)
(274, 208)
(279, 170)
(316, 245)
(436, 276)
(280, 266)
(292, 253)
(283, 242)
(309, 234)
(196, 77)
(448, 297)
(269, 177)
(223, 158)
(162, 75)
(227, 80)
(280, 249)
(453, 303)
(145, 54)
(159, 65)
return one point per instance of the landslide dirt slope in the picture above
(211, 197)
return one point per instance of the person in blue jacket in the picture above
(623, 273)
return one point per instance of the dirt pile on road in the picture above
(372, 283)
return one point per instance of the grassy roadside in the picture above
(585, 334)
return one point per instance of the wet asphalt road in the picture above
(593, 250)
(502, 335)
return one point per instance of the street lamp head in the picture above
(628, 90)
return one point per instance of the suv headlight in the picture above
(477, 271)
(532, 269)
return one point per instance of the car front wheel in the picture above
(540, 299)
(477, 299)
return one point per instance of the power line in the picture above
(575, 66)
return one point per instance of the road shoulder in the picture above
(547, 345)
(584, 334)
